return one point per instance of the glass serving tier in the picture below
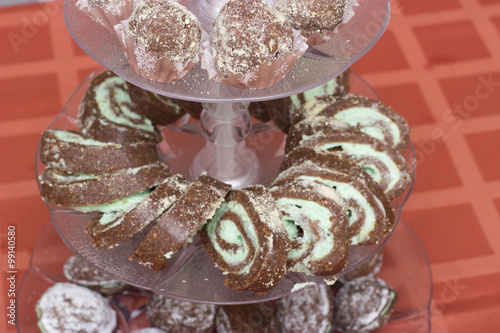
(406, 268)
(318, 65)
(191, 274)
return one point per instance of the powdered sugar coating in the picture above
(309, 310)
(363, 305)
(167, 28)
(68, 308)
(248, 33)
(314, 15)
(179, 316)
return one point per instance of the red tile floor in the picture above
(437, 64)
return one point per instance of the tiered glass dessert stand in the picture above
(225, 135)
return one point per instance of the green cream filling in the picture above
(113, 209)
(122, 98)
(364, 117)
(230, 233)
(297, 210)
(326, 89)
(347, 192)
(75, 138)
(361, 150)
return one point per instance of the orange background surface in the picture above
(438, 64)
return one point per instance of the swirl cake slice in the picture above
(308, 127)
(107, 113)
(71, 152)
(107, 230)
(365, 115)
(247, 240)
(73, 190)
(316, 226)
(385, 165)
(366, 214)
(181, 222)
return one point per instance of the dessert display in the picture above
(320, 203)
(67, 307)
(371, 267)
(309, 310)
(363, 305)
(247, 240)
(79, 271)
(179, 316)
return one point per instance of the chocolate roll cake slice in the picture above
(71, 152)
(181, 222)
(384, 164)
(366, 214)
(107, 230)
(161, 110)
(316, 225)
(107, 113)
(247, 240)
(337, 163)
(73, 190)
(366, 115)
(363, 305)
(309, 310)
(312, 126)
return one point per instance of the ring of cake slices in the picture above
(333, 190)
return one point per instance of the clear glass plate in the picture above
(191, 274)
(319, 65)
(405, 267)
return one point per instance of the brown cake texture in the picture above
(80, 271)
(363, 305)
(246, 318)
(316, 221)
(258, 232)
(247, 34)
(108, 230)
(384, 164)
(167, 28)
(308, 310)
(173, 315)
(70, 190)
(161, 110)
(181, 222)
(107, 113)
(193, 108)
(72, 152)
(314, 15)
(277, 110)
